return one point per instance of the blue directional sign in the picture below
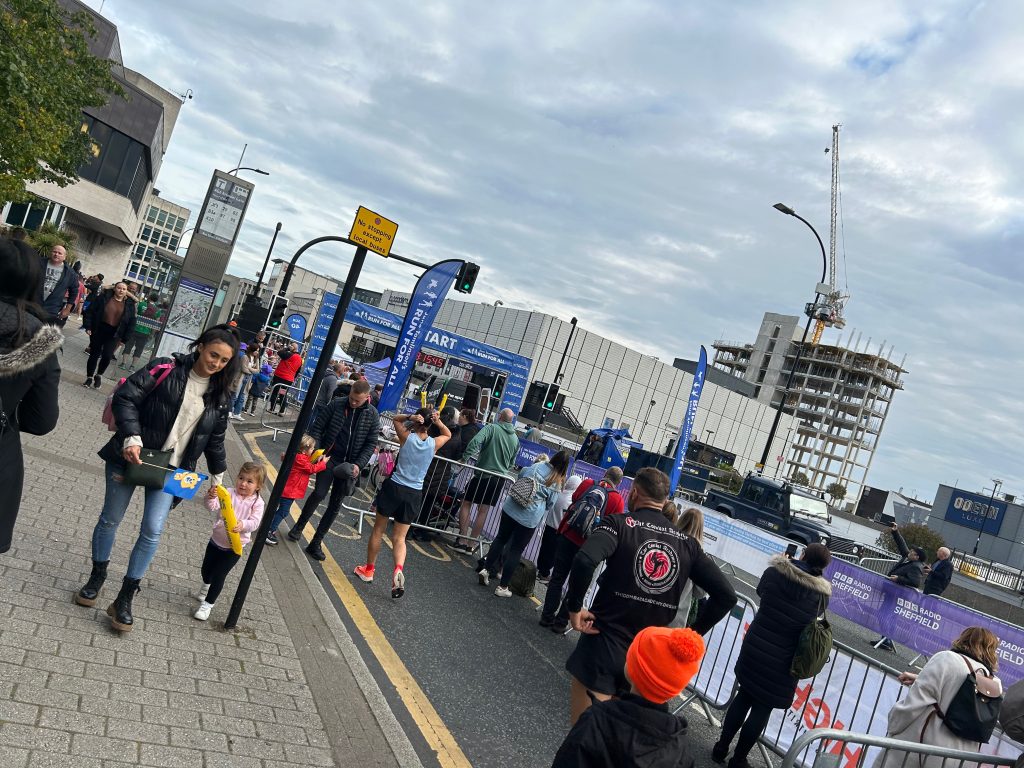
(296, 327)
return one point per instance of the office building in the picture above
(156, 246)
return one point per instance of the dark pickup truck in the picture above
(777, 507)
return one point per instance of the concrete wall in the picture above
(1003, 546)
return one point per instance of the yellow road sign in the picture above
(373, 231)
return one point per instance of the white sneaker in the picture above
(201, 594)
(484, 576)
(240, 417)
(499, 591)
(234, 416)
(203, 611)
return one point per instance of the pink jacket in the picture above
(248, 512)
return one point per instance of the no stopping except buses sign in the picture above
(373, 231)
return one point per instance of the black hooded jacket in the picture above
(630, 731)
(94, 315)
(909, 573)
(29, 378)
(141, 408)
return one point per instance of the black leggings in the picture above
(507, 548)
(339, 489)
(102, 346)
(217, 564)
(752, 715)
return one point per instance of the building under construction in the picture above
(840, 394)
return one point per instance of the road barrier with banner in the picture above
(827, 746)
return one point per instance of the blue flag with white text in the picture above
(424, 304)
(691, 413)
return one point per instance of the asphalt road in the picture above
(496, 679)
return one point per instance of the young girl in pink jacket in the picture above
(219, 558)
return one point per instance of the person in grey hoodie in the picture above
(494, 448)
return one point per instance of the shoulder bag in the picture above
(814, 646)
(974, 711)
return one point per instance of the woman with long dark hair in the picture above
(29, 372)
(178, 404)
(109, 321)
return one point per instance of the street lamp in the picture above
(991, 505)
(234, 171)
(647, 418)
(783, 208)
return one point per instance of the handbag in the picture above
(108, 406)
(523, 490)
(152, 472)
(974, 710)
(814, 646)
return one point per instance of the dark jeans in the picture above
(217, 564)
(102, 346)
(278, 393)
(282, 512)
(555, 609)
(751, 715)
(546, 556)
(507, 548)
(339, 490)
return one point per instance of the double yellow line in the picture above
(436, 733)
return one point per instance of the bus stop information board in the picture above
(373, 231)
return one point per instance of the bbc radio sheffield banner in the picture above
(516, 367)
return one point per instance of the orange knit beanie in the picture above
(661, 661)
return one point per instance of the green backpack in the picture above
(813, 647)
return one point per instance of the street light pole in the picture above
(647, 418)
(558, 374)
(270, 250)
(803, 340)
(996, 484)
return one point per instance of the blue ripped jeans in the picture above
(115, 503)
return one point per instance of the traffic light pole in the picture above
(558, 374)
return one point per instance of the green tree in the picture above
(800, 478)
(47, 76)
(836, 492)
(916, 536)
(49, 235)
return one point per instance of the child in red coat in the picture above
(298, 482)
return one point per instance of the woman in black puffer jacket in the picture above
(187, 413)
(29, 373)
(792, 594)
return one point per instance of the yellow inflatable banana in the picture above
(316, 455)
(444, 399)
(230, 521)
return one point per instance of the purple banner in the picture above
(926, 623)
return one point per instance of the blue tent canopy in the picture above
(614, 451)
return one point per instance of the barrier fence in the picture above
(990, 572)
(827, 747)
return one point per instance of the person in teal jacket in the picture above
(518, 522)
(494, 448)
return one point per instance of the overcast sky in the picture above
(619, 161)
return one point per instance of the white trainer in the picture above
(203, 611)
(484, 576)
(501, 591)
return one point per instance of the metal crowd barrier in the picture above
(878, 564)
(269, 401)
(830, 747)
(988, 571)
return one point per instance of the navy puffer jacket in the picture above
(790, 598)
(141, 408)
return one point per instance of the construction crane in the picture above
(828, 311)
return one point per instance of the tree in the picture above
(49, 235)
(47, 76)
(727, 476)
(836, 492)
(800, 478)
(916, 536)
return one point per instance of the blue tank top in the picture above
(413, 462)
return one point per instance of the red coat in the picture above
(615, 506)
(298, 478)
(288, 367)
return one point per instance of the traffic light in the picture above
(499, 388)
(251, 316)
(550, 397)
(277, 309)
(466, 278)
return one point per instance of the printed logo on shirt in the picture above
(656, 567)
(632, 522)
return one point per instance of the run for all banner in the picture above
(691, 413)
(424, 304)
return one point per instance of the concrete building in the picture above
(605, 382)
(888, 507)
(160, 234)
(841, 396)
(992, 522)
(131, 133)
(303, 280)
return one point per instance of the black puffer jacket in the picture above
(29, 377)
(789, 601)
(140, 409)
(94, 315)
(630, 731)
(909, 573)
(330, 427)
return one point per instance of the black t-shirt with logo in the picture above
(648, 563)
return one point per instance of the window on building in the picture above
(171, 219)
(172, 244)
(161, 218)
(118, 162)
(180, 224)
(151, 214)
(147, 232)
(140, 251)
(163, 240)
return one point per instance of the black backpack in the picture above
(584, 514)
(524, 578)
(974, 711)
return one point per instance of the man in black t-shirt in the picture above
(648, 562)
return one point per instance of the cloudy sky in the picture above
(618, 161)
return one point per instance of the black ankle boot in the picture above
(120, 611)
(87, 595)
(315, 551)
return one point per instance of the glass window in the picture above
(17, 214)
(147, 232)
(171, 218)
(113, 158)
(140, 250)
(151, 215)
(178, 226)
(173, 244)
(100, 133)
(129, 168)
(163, 240)
(161, 219)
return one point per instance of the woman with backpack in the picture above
(520, 516)
(793, 593)
(914, 717)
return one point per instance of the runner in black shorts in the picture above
(400, 496)
(648, 564)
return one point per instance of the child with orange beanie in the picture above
(638, 729)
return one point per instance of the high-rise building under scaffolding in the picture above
(841, 395)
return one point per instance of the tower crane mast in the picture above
(828, 312)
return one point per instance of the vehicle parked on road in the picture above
(777, 507)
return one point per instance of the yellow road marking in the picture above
(436, 733)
